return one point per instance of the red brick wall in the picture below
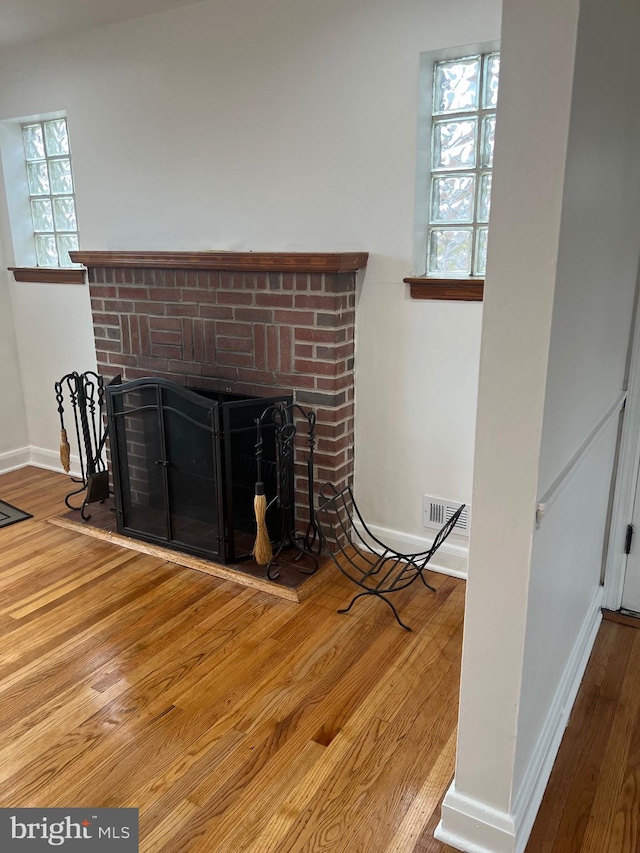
(253, 333)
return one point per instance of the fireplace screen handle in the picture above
(164, 462)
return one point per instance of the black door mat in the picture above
(10, 514)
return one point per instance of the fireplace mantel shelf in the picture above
(303, 262)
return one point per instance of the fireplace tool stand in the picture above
(308, 543)
(85, 392)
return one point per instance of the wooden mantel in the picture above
(309, 262)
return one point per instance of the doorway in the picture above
(622, 557)
(630, 603)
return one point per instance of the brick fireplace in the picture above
(249, 323)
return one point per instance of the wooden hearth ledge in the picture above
(303, 262)
(233, 573)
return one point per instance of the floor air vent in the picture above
(436, 511)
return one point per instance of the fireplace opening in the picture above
(184, 468)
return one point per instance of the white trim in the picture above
(11, 460)
(527, 800)
(39, 457)
(473, 826)
(626, 478)
(452, 559)
(42, 457)
(563, 478)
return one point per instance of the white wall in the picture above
(51, 323)
(592, 311)
(598, 257)
(562, 265)
(13, 425)
(282, 125)
(55, 337)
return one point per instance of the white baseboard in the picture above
(42, 457)
(469, 824)
(11, 460)
(527, 800)
(39, 457)
(450, 559)
(473, 826)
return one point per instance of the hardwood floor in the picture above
(240, 723)
(592, 802)
(235, 722)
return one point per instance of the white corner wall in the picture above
(46, 331)
(280, 125)
(54, 337)
(13, 423)
(592, 313)
(563, 259)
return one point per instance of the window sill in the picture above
(48, 275)
(450, 289)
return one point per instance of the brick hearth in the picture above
(258, 330)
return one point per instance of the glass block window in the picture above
(465, 96)
(51, 191)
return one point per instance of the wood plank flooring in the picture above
(592, 801)
(235, 722)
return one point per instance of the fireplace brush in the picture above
(282, 418)
(262, 550)
(65, 449)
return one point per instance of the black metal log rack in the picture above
(377, 569)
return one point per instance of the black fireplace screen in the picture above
(184, 466)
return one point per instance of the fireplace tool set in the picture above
(282, 416)
(85, 393)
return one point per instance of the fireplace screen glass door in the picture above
(166, 452)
